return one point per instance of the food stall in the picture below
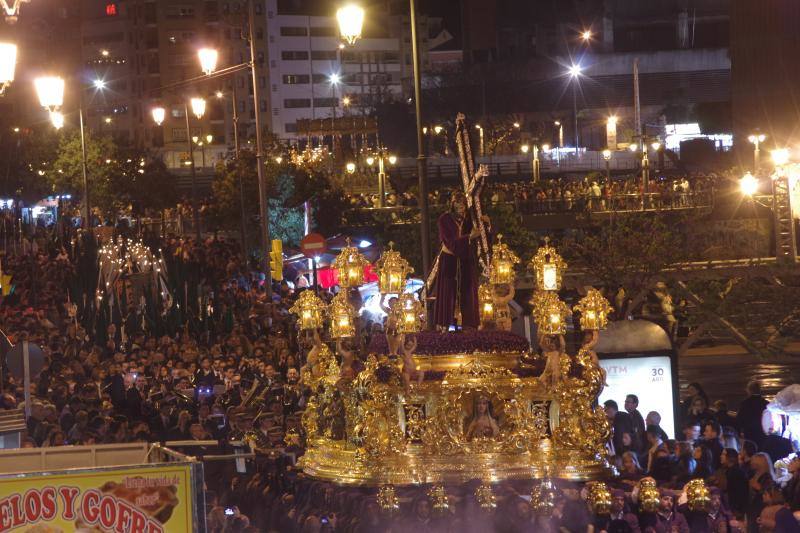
(137, 487)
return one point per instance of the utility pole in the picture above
(263, 209)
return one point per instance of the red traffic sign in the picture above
(313, 245)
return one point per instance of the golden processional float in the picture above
(485, 414)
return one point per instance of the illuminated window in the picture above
(111, 9)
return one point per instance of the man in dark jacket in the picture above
(621, 426)
(748, 418)
(631, 407)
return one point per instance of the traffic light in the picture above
(276, 260)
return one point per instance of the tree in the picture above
(102, 170)
(285, 204)
(632, 251)
(146, 183)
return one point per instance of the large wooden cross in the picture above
(472, 182)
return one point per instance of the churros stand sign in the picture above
(134, 500)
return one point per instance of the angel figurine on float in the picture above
(393, 338)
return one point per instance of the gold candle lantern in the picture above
(599, 498)
(594, 310)
(544, 496)
(392, 270)
(309, 309)
(551, 314)
(648, 495)
(409, 313)
(503, 261)
(439, 499)
(547, 266)
(342, 317)
(387, 499)
(697, 495)
(350, 265)
(486, 303)
(485, 497)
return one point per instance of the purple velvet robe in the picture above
(458, 274)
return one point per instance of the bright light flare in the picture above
(748, 184)
(780, 156)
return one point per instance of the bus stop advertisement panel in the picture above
(639, 359)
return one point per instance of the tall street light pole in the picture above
(50, 90)
(422, 163)
(263, 209)
(575, 72)
(756, 139)
(198, 108)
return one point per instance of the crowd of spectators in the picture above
(179, 372)
(558, 195)
(750, 466)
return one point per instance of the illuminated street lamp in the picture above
(780, 156)
(50, 90)
(8, 65)
(11, 9)
(535, 164)
(198, 107)
(574, 72)
(208, 60)
(748, 184)
(480, 132)
(57, 119)
(350, 19)
(350, 167)
(586, 35)
(756, 140)
(381, 157)
(607, 158)
(159, 114)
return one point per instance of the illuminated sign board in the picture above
(648, 377)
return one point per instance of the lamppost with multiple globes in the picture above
(50, 90)
(574, 73)
(756, 139)
(535, 164)
(198, 106)
(607, 158)
(381, 156)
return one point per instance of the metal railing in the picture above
(618, 203)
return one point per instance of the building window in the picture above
(295, 79)
(263, 106)
(293, 103)
(323, 31)
(260, 33)
(177, 112)
(321, 78)
(323, 54)
(111, 9)
(179, 134)
(293, 31)
(294, 55)
(326, 102)
(290, 127)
